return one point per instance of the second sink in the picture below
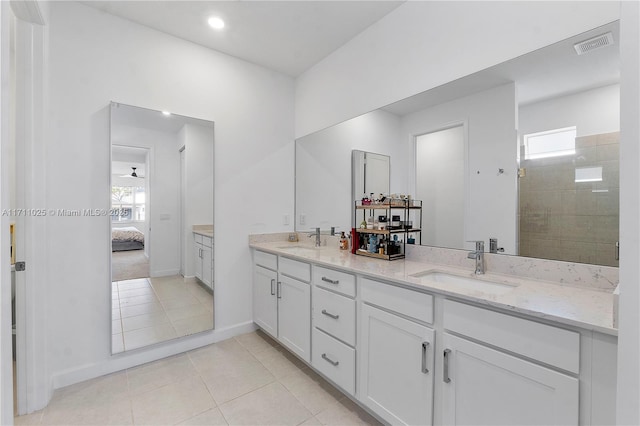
(467, 283)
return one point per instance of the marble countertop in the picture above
(577, 306)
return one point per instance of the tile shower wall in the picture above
(572, 221)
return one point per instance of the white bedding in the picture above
(127, 233)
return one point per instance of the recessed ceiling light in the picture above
(166, 113)
(216, 23)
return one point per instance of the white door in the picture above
(396, 367)
(265, 303)
(294, 316)
(440, 184)
(482, 386)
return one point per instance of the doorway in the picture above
(440, 184)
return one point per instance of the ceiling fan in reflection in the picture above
(133, 174)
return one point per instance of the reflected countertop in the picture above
(576, 306)
(205, 230)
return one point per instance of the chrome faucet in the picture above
(317, 235)
(493, 246)
(478, 255)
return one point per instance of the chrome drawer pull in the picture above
(273, 293)
(330, 281)
(424, 357)
(445, 370)
(279, 290)
(330, 361)
(324, 312)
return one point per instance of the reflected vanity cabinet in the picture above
(203, 249)
(282, 301)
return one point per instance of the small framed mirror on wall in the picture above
(162, 236)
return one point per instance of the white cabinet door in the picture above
(396, 367)
(482, 386)
(294, 316)
(265, 303)
(207, 272)
(198, 260)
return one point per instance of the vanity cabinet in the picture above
(282, 301)
(411, 357)
(334, 326)
(528, 374)
(485, 386)
(396, 360)
(203, 246)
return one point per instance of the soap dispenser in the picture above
(344, 243)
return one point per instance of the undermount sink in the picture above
(299, 249)
(490, 287)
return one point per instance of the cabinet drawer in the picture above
(407, 302)
(340, 282)
(197, 238)
(207, 241)
(541, 342)
(295, 269)
(335, 360)
(335, 315)
(267, 260)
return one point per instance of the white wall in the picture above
(323, 171)
(95, 58)
(592, 112)
(199, 151)
(628, 410)
(423, 44)
(490, 122)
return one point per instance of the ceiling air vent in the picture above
(598, 42)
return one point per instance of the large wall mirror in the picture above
(525, 152)
(161, 226)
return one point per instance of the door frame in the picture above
(23, 24)
(465, 134)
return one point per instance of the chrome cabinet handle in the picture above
(324, 312)
(279, 290)
(445, 370)
(330, 361)
(330, 281)
(273, 292)
(617, 254)
(424, 357)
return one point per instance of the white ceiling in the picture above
(123, 158)
(286, 36)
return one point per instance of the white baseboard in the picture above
(164, 273)
(124, 360)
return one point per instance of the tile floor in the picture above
(152, 310)
(246, 380)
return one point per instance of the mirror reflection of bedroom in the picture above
(162, 269)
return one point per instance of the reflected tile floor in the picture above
(246, 380)
(152, 310)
